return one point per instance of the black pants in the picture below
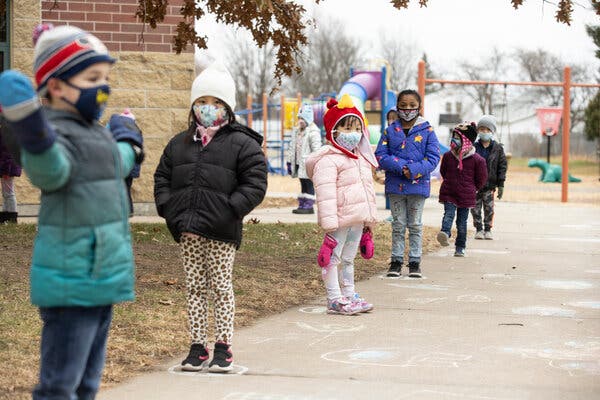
(306, 186)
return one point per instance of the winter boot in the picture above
(306, 208)
(301, 205)
(8, 217)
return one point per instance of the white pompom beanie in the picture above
(214, 80)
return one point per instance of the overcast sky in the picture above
(448, 30)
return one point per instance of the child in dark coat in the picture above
(463, 172)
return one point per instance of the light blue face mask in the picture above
(348, 140)
(485, 137)
(209, 115)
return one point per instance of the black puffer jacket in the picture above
(496, 164)
(208, 190)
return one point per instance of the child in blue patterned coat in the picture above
(408, 152)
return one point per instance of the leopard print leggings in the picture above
(208, 266)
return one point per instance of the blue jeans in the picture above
(72, 352)
(407, 211)
(462, 214)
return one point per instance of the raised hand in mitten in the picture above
(124, 129)
(22, 111)
(326, 251)
(367, 248)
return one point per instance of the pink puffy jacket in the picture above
(344, 189)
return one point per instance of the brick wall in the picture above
(149, 79)
(114, 22)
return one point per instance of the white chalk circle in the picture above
(395, 357)
(371, 355)
(544, 311)
(330, 328)
(237, 370)
(566, 285)
(426, 300)
(577, 367)
(594, 305)
(485, 251)
(313, 310)
(419, 286)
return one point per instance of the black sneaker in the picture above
(395, 268)
(197, 359)
(414, 269)
(222, 358)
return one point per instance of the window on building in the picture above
(4, 36)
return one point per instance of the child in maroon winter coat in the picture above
(463, 172)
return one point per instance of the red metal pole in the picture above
(566, 130)
(421, 85)
(249, 107)
(265, 116)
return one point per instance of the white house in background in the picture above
(445, 108)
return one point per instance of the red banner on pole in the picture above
(549, 118)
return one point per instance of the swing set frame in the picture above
(566, 84)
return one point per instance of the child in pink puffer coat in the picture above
(346, 208)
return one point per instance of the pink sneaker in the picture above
(361, 303)
(342, 306)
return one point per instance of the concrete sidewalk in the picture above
(518, 318)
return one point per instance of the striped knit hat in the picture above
(63, 52)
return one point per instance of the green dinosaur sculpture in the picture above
(550, 172)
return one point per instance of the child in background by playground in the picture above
(82, 258)
(391, 116)
(463, 173)
(347, 212)
(209, 177)
(408, 151)
(9, 169)
(306, 139)
(494, 156)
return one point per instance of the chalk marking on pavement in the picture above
(545, 311)
(237, 370)
(586, 227)
(567, 285)
(330, 328)
(426, 300)
(592, 271)
(313, 310)
(485, 251)
(594, 305)
(577, 368)
(419, 286)
(394, 357)
(473, 298)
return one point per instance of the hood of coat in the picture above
(327, 150)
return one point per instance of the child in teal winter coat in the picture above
(82, 257)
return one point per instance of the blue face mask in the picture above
(485, 137)
(455, 143)
(348, 140)
(91, 102)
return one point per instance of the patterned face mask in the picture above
(209, 115)
(348, 140)
(408, 114)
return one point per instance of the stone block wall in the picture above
(148, 78)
